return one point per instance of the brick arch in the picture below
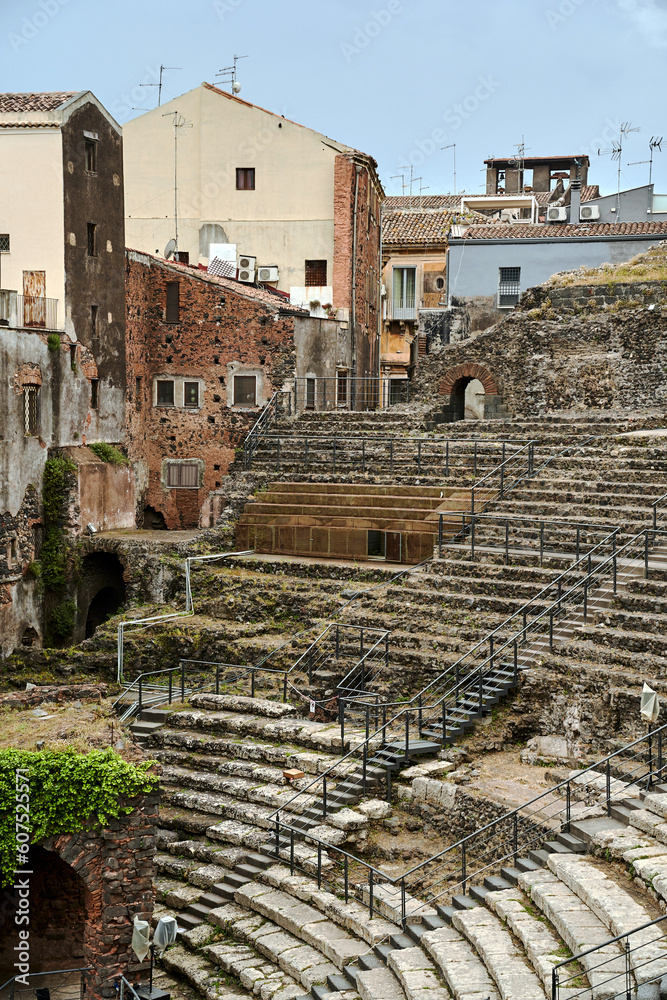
(469, 369)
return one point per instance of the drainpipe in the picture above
(379, 312)
(353, 318)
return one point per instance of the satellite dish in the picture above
(169, 249)
(236, 87)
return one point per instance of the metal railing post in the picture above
(507, 541)
(140, 683)
(541, 542)
(345, 873)
(305, 456)
(391, 457)
(370, 894)
(403, 908)
(474, 464)
(291, 852)
(515, 836)
(502, 482)
(585, 600)
(363, 768)
(447, 458)
(646, 555)
(516, 663)
(277, 454)
(341, 719)
(252, 683)
(613, 552)
(334, 454)
(324, 796)
(285, 687)
(472, 537)
(407, 734)
(171, 676)
(444, 722)
(182, 681)
(578, 535)
(567, 808)
(319, 865)
(363, 454)
(419, 457)
(607, 780)
(551, 629)
(463, 868)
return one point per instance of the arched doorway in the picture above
(469, 391)
(101, 592)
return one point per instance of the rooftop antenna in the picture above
(159, 85)
(403, 181)
(616, 153)
(412, 179)
(452, 145)
(519, 159)
(228, 73)
(179, 122)
(655, 143)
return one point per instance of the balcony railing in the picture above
(404, 308)
(31, 311)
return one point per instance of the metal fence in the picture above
(346, 391)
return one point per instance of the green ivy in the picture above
(68, 791)
(61, 619)
(108, 453)
(53, 560)
(55, 487)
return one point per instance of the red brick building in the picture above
(203, 356)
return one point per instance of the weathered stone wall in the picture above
(591, 298)
(615, 359)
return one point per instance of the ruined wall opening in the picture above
(457, 398)
(470, 392)
(154, 520)
(57, 914)
(474, 400)
(101, 592)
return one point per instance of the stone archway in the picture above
(452, 391)
(100, 593)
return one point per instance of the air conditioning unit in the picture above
(588, 212)
(246, 262)
(556, 214)
(247, 274)
(268, 273)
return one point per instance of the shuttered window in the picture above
(173, 302)
(183, 475)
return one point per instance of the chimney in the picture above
(575, 201)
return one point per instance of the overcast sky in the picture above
(395, 78)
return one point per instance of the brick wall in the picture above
(224, 328)
(366, 270)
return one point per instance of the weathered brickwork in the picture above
(224, 329)
(357, 176)
(20, 536)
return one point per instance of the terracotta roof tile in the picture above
(503, 231)
(29, 124)
(34, 102)
(423, 227)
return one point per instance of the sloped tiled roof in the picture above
(29, 124)
(504, 231)
(416, 227)
(34, 102)
(426, 201)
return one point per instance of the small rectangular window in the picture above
(4, 242)
(91, 155)
(94, 393)
(183, 475)
(173, 314)
(165, 392)
(509, 285)
(245, 178)
(138, 392)
(30, 409)
(316, 273)
(92, 239)
(245, 390)
(94, 310)
(310, 393)
(191, 394)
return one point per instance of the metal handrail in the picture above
(265, 419)
(53, 972)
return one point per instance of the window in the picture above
(245, 390)
(92, 239)
(341, 384)
(30, 409)
(183, 475)
(245, 178)
(165, 392)
(173, 314)
(404, 287)
(310, 393)
(440, 283)
(138, 392)
(94, 393)
(191, 394)
(90, 153)
(509, 281)
(4, 242)
(316, 273)
(93, 322)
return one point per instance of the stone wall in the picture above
(615, 359)
(574, 299)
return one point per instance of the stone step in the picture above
(493, 943)
(200, 972)
(464, 973)
(417, 974)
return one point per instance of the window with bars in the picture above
(183, 475)
(92, 239)
(30, 409)
(509, 283)
(245, 390)
(245, 178)
(165, 392)
(316, 273)
(191, 394)
(173, 314)
(4, 242)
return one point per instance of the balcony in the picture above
(27, 311)
(405, 308)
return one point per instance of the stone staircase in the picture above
(253, 925)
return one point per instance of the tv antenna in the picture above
(179, 122)
(159, 85)
(412, 179)
(655, 143)
(229, 75)
(403, 181)
(616, 153)
(421, 188)
(452, 145)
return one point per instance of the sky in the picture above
(398, 79)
